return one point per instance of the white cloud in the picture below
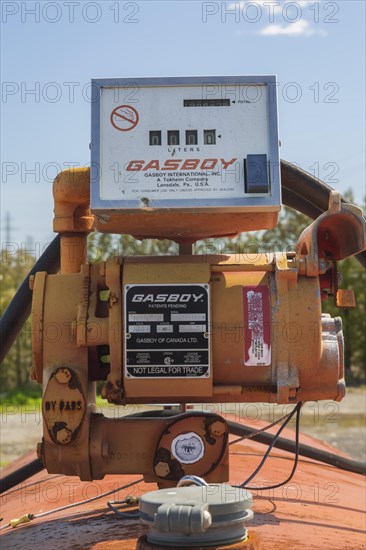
(300, 28)
(277, 16)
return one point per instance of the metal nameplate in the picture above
(167, 331)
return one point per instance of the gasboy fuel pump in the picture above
(183, 159)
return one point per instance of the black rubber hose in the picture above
(307, 194)
(23, 473)
(19, 309)
(304, 450)
(305, 185)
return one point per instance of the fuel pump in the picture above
(183, 159)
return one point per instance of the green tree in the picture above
(15, 369)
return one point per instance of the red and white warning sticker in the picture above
(257, 323)
(124, 118)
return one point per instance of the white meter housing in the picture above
(205, 145)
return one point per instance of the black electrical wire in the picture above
(341, 462)
(19, 309)
(261, 464)
(251, 435)
(275, 486)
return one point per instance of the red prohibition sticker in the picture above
(257, 326)
(124, 118)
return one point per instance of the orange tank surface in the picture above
(321, 508)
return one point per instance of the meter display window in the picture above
(155, 137)
(209, 137)
(173, 137)
(191, 137)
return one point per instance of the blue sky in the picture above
(52, 49)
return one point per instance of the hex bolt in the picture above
(63, 375)
(217, 428)
(162, 469)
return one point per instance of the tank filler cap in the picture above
(196, 515)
